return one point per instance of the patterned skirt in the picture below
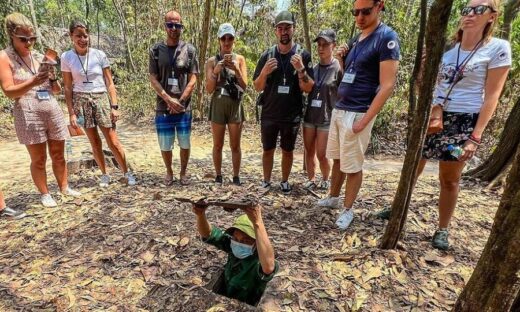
(456, 131)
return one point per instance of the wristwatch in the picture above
(114, 107)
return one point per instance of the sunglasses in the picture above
(227, 38)
(172, 25)
(27, 39)
(364, 11)
(478, 10)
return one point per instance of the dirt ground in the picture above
(136, 248)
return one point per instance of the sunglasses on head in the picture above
(172, 25)
(364, 11)
(25, 39)
(478, 10)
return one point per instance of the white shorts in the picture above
(345, 145)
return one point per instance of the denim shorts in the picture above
(169, 125)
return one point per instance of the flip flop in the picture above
(185, 180)
(168, 181)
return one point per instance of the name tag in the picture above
(86, 82)
(316, 103)
(349, 77)
(224, 92)
(283, 89)
(43, 95)
(173, 82)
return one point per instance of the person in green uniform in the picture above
(251, 264)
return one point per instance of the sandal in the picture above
(185, 180)
(168, 181)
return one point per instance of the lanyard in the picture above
(352, 62)
(319, 81)
(284, 64)
(85, 70)
(172, 57)
(460, 67)
(28, 67)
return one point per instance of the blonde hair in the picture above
(488, 30)
(14, 21)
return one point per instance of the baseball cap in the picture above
(327, 34)
(243, 224)
(225, 29)
(284, 17)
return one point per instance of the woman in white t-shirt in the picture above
(475, 69)
(87, 78)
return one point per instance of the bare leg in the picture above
(185, 157)
(321, 148)
(167, 157)
(2, 201)
(287, 161)
(267, 164)
(38, 153)
(97, 148)
(309, 136)
(218, 132)
(449, 176)
(337, 179)
(59, 166)
(352, 187)
(116, 147)
(235, 133)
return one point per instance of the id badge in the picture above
(316, 103)
(174, 83)
(224, 92)
(283, 89)
(349, 77)
(43, 95)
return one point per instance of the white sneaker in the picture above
(104, 180)
(329, 201)
(130, 179)
(345, 218)
(48, 201)
(70, 192)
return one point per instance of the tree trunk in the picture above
(495, 282)
(435, 40)
(505, 150)
(35, 22)
(303, 10)
(511, 9)
(412, 95)
(203, 46)
(124, 31)
(516, 304)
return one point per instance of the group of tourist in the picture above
(346, 89)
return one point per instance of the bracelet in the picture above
(474, 139)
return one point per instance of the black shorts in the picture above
(288, 133)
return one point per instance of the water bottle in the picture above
(80, 120)
(455, 151)
(68, 148)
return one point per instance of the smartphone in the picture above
(228, 57)
(50, 59)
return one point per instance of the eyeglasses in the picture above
(25, 39)
(478, 10)
(364, 11)
(171, 25)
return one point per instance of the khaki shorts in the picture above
(345, 145)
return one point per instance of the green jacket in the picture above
(244, 279)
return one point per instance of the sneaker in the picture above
(48, 201)
(236, 181)
(70, 192)
(130, 179)
(329, 201)
(324, 185)
(309, 185)
(104, 180)
(266, 185)
(285, 187)
(218, 179)
(11, 213)
(384, 214)
(440, 240)
(345, 218)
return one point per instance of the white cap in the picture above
(225, 29)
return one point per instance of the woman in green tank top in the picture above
(226, 79)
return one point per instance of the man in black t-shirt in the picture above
(283, 74)
(173, 72)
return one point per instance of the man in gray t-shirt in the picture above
(173, 72)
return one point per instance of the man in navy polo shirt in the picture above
(370, 64)
(283, 73)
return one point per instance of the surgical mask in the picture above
(241, 251)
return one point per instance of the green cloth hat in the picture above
(284, 17)
(243, 224)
